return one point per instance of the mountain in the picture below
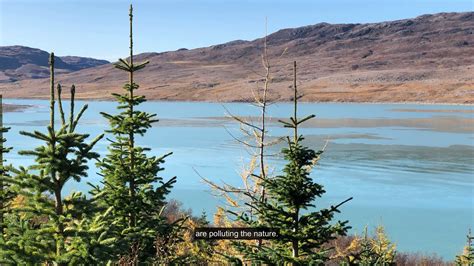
(78, 63)
(20, 62)
(424, 59)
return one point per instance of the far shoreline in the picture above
(111, 99)
(9, 108)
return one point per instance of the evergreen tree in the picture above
(5, 194)
(367, 250)
(304, 234)
(131, 183)
(179, 246)
(467, 257)
(47, 227)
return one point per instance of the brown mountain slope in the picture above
(21, 62)
(426, 59)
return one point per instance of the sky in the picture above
(99, 28)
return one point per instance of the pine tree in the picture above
(366, 254)
(467, 257)
(304, 234)
(131, 183)
(46, 227)
(5, 193)
(179, 246)
(369, 250)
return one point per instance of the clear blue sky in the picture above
(99, 28)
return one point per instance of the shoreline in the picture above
(8, 107)
(243, 101)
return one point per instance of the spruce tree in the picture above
(5, 193)
(368, 250)
(48, 227)
(131, 184)
(467, 257)
(304, 233)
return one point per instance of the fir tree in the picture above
(467, 257)
(304, 234)
(5, 194)
(131, 183)
(366, 250)
(46, 227)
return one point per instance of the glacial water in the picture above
(409, 167)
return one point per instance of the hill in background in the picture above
(20, 62)
(424, 59)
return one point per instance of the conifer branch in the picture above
(71, 112)
(60, 104)
(79, 115)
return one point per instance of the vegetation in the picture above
(302, 235)
(256, 140)
(131, 185)
(366, 250)
(48, 227)
(6, 194)
(467, 256)
(127, 219)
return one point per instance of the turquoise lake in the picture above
(408, 167)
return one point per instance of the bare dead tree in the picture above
(255, 139)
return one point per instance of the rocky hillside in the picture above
(424, 59)
(20, 62)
